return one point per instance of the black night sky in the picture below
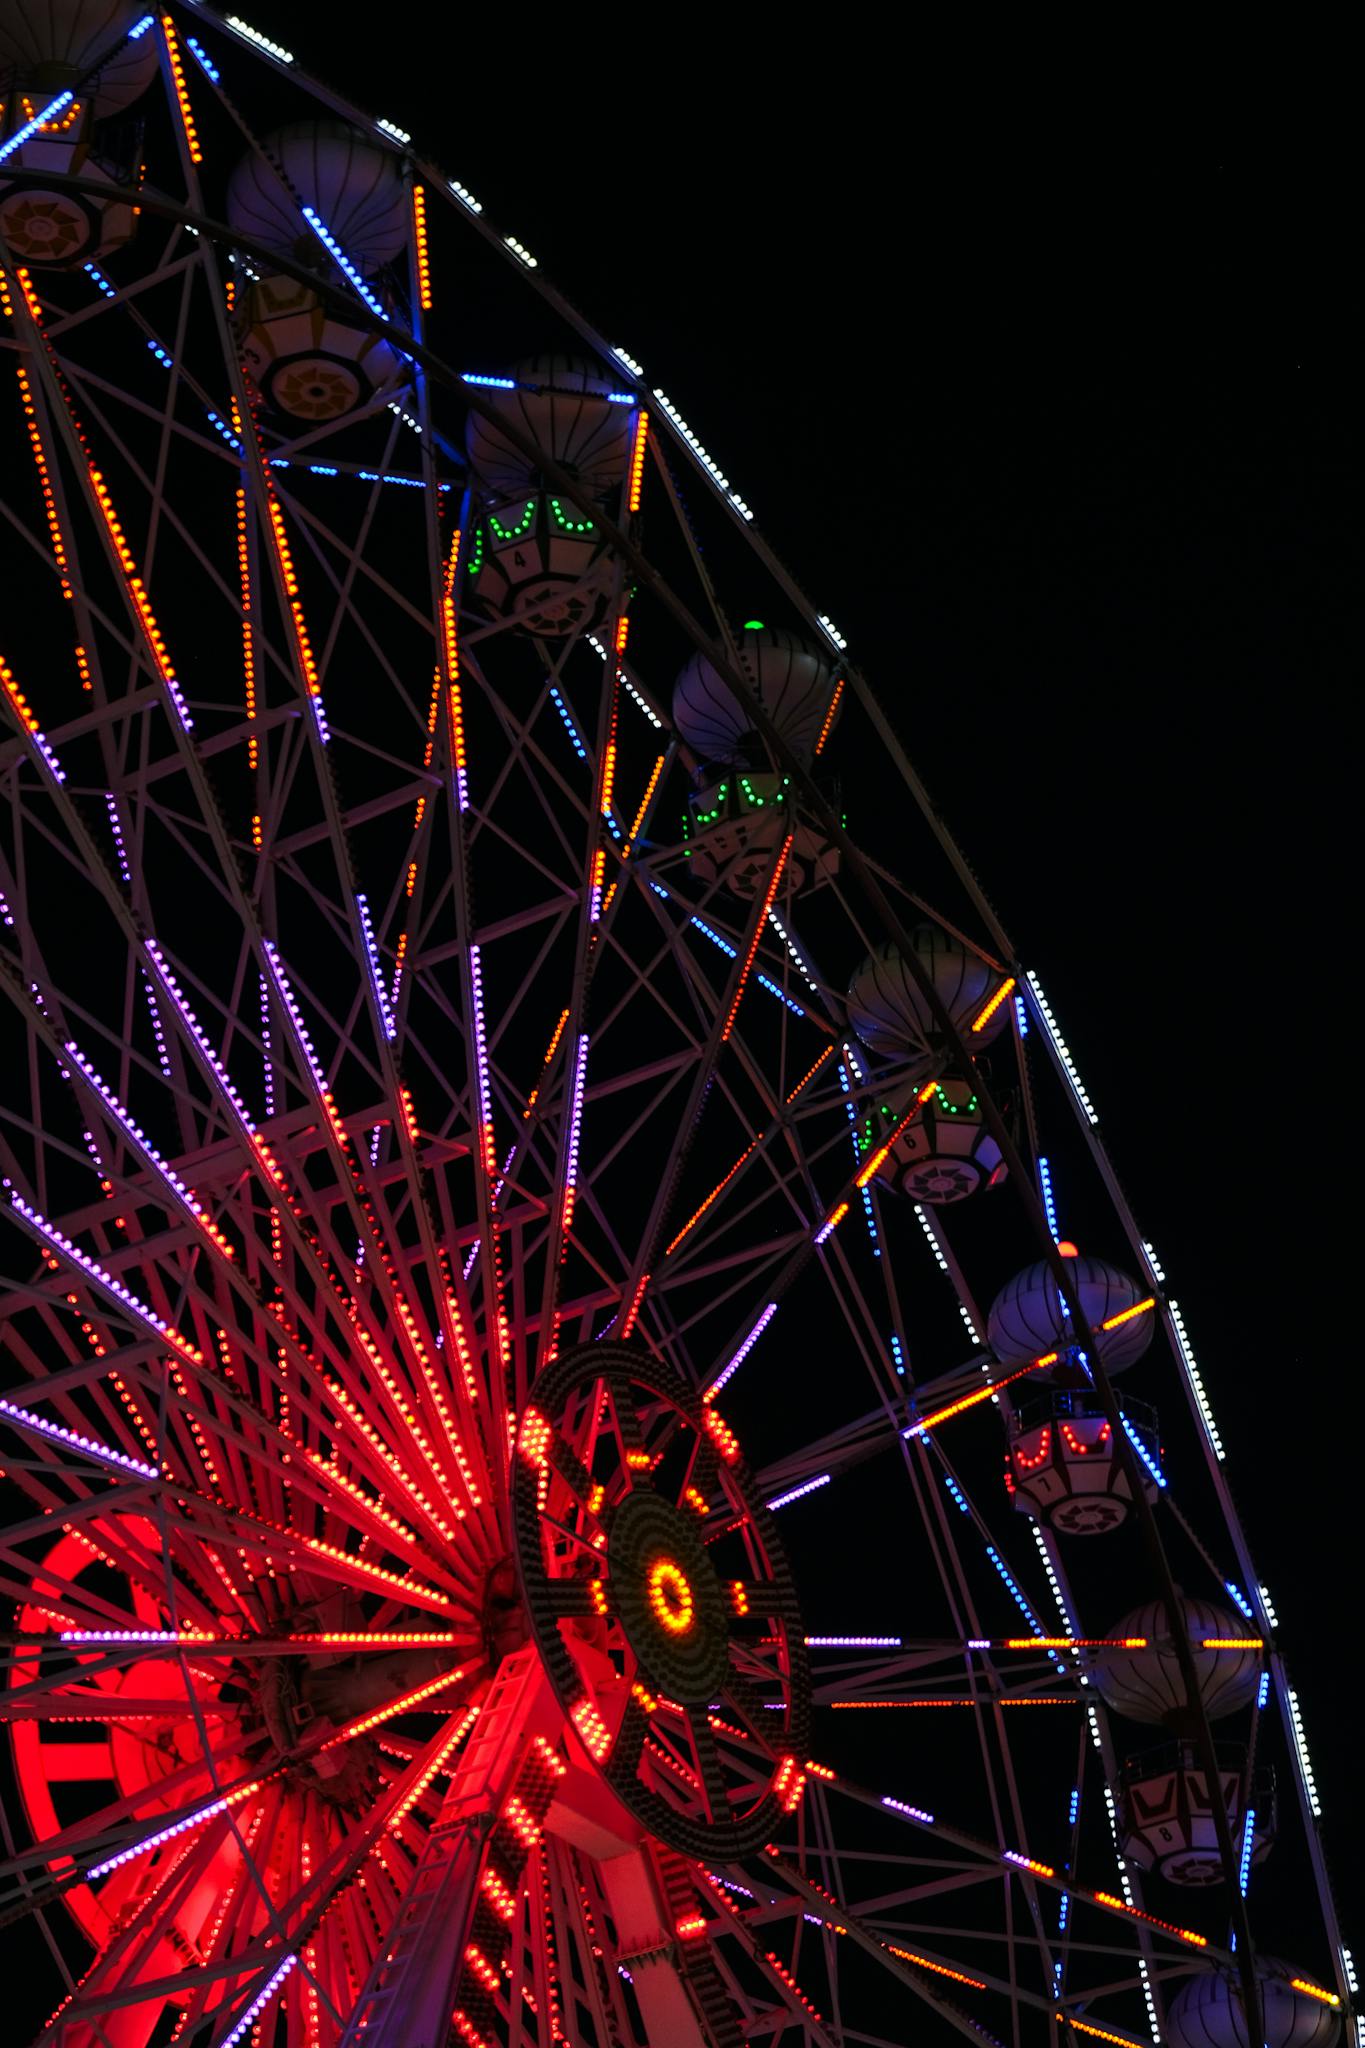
(1055, 419)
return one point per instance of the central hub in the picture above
(670, 1596)
(669, 1599)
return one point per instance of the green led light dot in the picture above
(522, 526)
(570, 525)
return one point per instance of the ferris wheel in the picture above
(568, 1326)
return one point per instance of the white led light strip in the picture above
(253, 35)
(1063, 1051)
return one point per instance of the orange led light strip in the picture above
(1075, 1643)
(412, 1587)
(633, 1311)
(248, 628)
(549, 1055)
(59, 554)
(291, 588)
(718, 1189)
(1232, 1643)
(644, 804)
(811, 1074)
(759, 923)
(141, 601)
(17, 697)
(880, 1156)
(59, 124)
(1167, 1926)
(1037, 1700)
(940, 1969)
(829, 715)
(182, 91)
(1064, 2019)
(1125, 1315)
(399, 1706)
(609, 771)
(720, 1186)
(1314, 1991)
(980, 1022)
(359, 1639)
(721, 1435)
(419, 243)
(983, 1393)
(637, 463)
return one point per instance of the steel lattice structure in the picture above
(466, 1335)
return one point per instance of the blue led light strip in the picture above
(1045, 1189)
(31, 128)
(1021, 1603)
(204, 61)
(339, 256)
(569, 724)
(1248, 1837)
(1140, 1447)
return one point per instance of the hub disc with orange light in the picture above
(660, 1600)
(670, 1601)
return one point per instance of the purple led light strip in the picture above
(376, 976)
(122, 1296)
(22, 1419)
(728, 1372)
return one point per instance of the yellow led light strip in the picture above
(1064, 2019)
(637, 463)
(1167, 1926)
(419, 243)
(401, 1705)
(1037, 1700)
(182, 92)
(980, 1022)
(908, 1955)
(1314, 1991)
(982, 1393)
